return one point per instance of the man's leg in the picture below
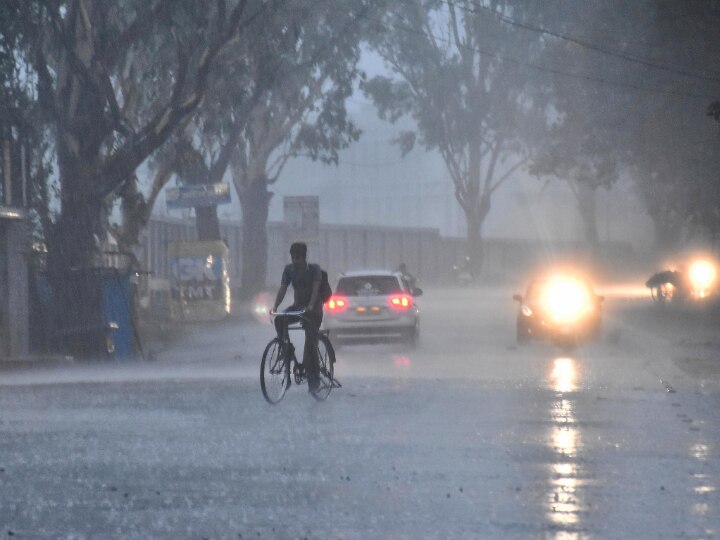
(282, 323)
(310, 359)
(280, 328)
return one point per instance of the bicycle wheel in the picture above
(274, 373)
(326, 365)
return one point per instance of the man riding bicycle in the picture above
(305, 279)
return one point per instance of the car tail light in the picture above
(401, 301)
(336, 304)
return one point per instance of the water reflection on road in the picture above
(704, 488)
(564, 497)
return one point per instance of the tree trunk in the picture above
(255, 204)
(474, 250)
(207, 223)
(667, 230)
(475, 215)
(73, 253)
(587, 204)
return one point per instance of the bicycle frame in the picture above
(294, 368)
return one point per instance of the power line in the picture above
(544, 69)
(597, 48)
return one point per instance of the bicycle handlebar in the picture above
(299, 313)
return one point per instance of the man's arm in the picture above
(316, 277)
(280, 295)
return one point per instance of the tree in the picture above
(588, 120)
(629, 99)
(578, 156)
(79, 51)
(201, 148)
(302, 115)
(295, 77)
(675, 158)
(462, 76)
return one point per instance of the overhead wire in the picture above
(545, 69)
(588, 45)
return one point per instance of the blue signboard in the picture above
(197, 195)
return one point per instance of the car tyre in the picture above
(523, 333)
(568, 345)
(412, 337)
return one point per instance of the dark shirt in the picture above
(302, 283)
(667, 276)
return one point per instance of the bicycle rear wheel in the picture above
(326, 365)
(274, 372)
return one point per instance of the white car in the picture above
(373, 305)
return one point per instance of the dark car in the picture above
(563, 309)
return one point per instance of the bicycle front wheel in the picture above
(326, 368)
(274, 372)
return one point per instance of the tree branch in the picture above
(507, 174)
(135, 150)
(142, 24)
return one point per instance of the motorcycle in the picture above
(463, 273)
(695, 282)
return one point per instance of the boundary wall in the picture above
(428, 256)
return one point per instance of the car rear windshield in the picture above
(368, 285)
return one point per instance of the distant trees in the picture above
(676, 159)
(296, 80)
(451, 76)
(630, 100)
(588, 122)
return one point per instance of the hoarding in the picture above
(197, 195)
(302, 217)
(199, 281)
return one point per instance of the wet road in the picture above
(468, 436)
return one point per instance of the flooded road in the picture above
(467, 436)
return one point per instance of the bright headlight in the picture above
(702, 274)
(566, 300)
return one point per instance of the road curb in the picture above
(34, 362)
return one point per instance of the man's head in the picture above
(298, 253)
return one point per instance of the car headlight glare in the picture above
(566, 300)
(702, 274)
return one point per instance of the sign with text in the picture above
(302, 217)
(199, 284)
(197, 195)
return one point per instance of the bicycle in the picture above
(279, 365)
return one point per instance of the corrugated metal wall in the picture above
(339, 248)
